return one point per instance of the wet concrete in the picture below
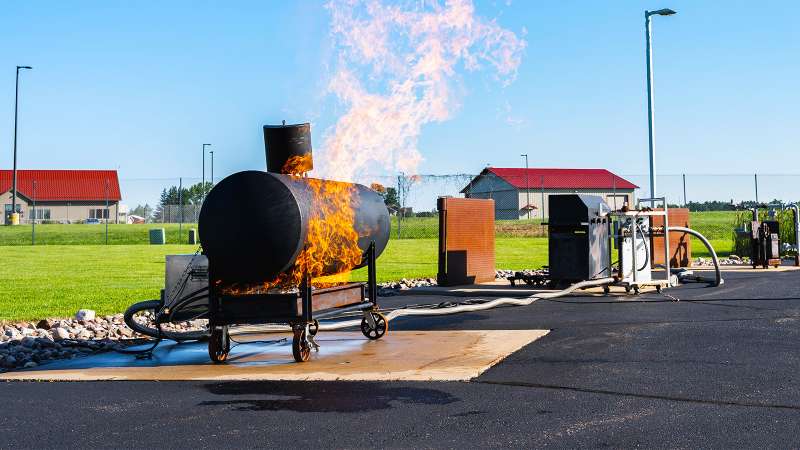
(403, 355)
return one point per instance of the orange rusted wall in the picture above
(466, 241)
(680, 246)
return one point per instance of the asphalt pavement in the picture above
(718, 368)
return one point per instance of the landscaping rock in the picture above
(60, 333)
(85, 314)
(45, 324)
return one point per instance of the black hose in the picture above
(158, 333)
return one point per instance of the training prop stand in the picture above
(301, 310)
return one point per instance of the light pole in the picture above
(203, 178)
(527, 187)
(649, 56)
(14, 214)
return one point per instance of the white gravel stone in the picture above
(85, 314)
(60, 333)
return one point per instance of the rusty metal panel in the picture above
(466, 241)
(335, 297)
(680, 246)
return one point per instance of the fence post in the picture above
(33, 224)
(180, 208)
(755, 177)
(614, 190)
(684, 191)
(542, 184)
(106, 213)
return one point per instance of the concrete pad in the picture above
(400, 355)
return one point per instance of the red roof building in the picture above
(63, 195)
(522, 193)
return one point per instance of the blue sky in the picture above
(139, 86)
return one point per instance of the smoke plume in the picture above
(395, 70)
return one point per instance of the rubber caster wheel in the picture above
(606, 290)
(301, 349)
(627, 289)
(219, 345)
(658, 288)
(313, 328)
(381, 326)
(636, 290)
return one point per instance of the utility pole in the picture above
(651, 132)
(14, 219)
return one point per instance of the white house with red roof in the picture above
(64, 196)
(522, 193)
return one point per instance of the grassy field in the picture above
(83, 234)
(69, 269)
(57, 280)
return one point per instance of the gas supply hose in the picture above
(441, 311)
(718, 275)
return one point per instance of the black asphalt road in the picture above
(717, 369)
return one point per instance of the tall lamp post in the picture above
(14, 214)
(527, 187)
(203, 178)
(649, 56)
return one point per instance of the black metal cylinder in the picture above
(253, 225)
(282, 142)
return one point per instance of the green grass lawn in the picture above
(57, 280)
(83, 234)
(68, 269)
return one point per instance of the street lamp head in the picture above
(661, 12)
(24, 67)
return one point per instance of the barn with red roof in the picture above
(64, 196)
(521, 193)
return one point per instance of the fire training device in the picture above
(466, 241)
(633, 235)
(578, 238)
(765, 243)
(256, 227)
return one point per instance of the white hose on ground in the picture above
(718, 280)
(441, 311)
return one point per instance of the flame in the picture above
(397, 68)
(298, 165)
(332, 249)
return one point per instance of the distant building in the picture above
(518, 191)
(63, 196)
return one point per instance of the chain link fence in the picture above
(520, 199)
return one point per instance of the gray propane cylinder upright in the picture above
(253, 224)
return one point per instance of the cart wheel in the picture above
(658, 288)
(381, 326)
(219, 345)
(301, 350)
(606, 290)
(627, 289)
(313, 328)
(636, 290)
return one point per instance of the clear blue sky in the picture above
(139, 86)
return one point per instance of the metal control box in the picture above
(184, 275)
(578, 238)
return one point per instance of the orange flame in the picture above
(298, 165)
(331, 241)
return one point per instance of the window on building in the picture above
(42, 214)
(99, 213)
